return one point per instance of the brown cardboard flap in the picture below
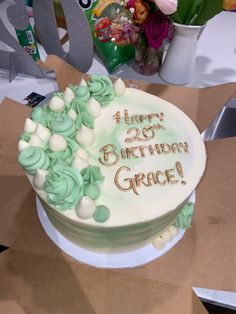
(34, 283)
(12, 119)
(214, 256)
(211, 100)
(15, 204)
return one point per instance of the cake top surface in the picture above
(124, 156)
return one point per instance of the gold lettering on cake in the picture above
(109, 157)
(180, 171)
(137, 118)
(158, 174)
(170, 176)
(130, 180)
(141, 179)
(165, 148)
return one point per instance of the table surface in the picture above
(215, 64)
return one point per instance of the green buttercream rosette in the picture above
(183, 220)
(25, 137)
(64, 186)
(63, 157)
(33, 158)
(38, 116)
(63, 125)
(101, 88)
(78, 105)
(84, 119)
(92, 174)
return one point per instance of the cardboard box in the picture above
(37, 277)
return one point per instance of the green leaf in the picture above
(207, 10)
(186, 10)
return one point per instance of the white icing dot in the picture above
(83, 83)
(35, 140)
(72, 114)
(29, 126)
(22, 145)
(85, 136)
(57, 143)
(85, 208)
(173, 230)
(159, 243)
(39, 178)
(42, 132)
(80, 152)
(56, 104)
(119, 87)
(79, 163)
(94, 107)
(167, 236)
(68, 95)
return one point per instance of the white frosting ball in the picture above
(29, 126)
(56, 104)
(57, 143)
(39, 178)
(159, 243)
(22, 145)
(42, 132)
(119, 87)
(35, 140)
(167, 236)
(68, 95)
(85, 208)
(79, 163)
(83, 83)
(80, 152)
(85, 136)
(72, 114)
(173, 230)
(94, 107)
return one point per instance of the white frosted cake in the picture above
(113, 166)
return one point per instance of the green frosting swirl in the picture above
(92, 174)
(101, 88)
(78, 105)
(37, 115)
(64, 186)
(25, 137)
(101, 213)
(64, 157)
(183, 220)
(86, 119)
(33, 158)
(92, 190)
(64, 126)
(82, 92)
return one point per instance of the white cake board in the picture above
(131, 259)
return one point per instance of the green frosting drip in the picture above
(101, 213)
(101, 88)
(86, 119)
(64, 186)
(33, 158)
(183, 220)
(65, 157)
(64, 126)
(92, 174)
(92, 190)
(25, 137)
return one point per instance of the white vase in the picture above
(178, 67)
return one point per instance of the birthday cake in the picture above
(113, 166)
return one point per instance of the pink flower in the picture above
(166, 6)
(156, 29)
